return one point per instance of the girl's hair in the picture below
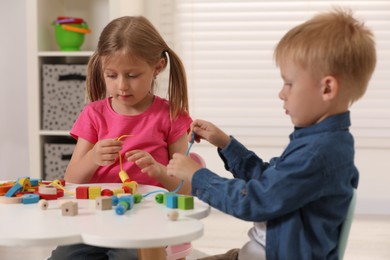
(332, 43)
(137, 36)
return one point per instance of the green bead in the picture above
(137, 198)
(159, 198)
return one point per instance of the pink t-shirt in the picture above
(153, 132)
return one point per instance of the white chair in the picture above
(181, 251)
(346, 227)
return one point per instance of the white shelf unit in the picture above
(42, 49)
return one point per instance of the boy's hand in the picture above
(209, 132)
(145, 161)
(182, 167)
(105, 152)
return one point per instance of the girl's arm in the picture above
(157, 170)
(87, 157)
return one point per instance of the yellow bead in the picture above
(123, 175)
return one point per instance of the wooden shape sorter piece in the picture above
(82, 192)
(103, 203)
(94, 192)
(185, 202)
(69, 208)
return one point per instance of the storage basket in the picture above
(63, 95)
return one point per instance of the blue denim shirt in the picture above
(303, 195)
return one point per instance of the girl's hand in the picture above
(105, 152)
(209, 132)
(182, 167)
(146, 162)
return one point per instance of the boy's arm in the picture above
(246, 160)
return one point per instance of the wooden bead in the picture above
(123, 175)
(43, 204)
(159, 198)
(137, 198)
(173, 215)
(30, 198)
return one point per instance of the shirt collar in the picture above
(333, 123)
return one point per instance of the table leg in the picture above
(157, 253)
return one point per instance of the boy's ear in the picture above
(329, 87)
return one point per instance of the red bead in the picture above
(107, 192)
(126, 189)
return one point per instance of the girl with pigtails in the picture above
(126, 120)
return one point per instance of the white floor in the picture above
(369, 239)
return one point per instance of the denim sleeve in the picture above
(259, 193)
(244, 164)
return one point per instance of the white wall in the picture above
(13, 97)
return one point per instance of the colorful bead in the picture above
(43, 204)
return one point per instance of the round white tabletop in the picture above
(146, 225)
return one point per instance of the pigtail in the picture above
(95, 89)
(177, 86)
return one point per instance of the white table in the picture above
(144, 226)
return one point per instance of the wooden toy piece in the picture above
(173, 215)
(82, 192)
(10, 200)
(43, 204)
(25, 182)
(60, 193)
(137, 198)
(122, 207)
(133, 186)
(5, 187)
(14, 189)
(115, 200)
(159, 198)
(59, 182)
(124, 176)
(48, 196)
(126, 189)
(30, 198)
(126, 202)
(118, 191)
(129, 199)
(103, 203)
(107, 192)
(69, 208)
(47, 190)
(34, 182)
(185, 202)
(171, 200)
(94, 192)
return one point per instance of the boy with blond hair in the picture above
(299, 200)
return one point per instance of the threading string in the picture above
(119, 153)
(187, 153)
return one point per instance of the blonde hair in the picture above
(136, 35)
(332, 43)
